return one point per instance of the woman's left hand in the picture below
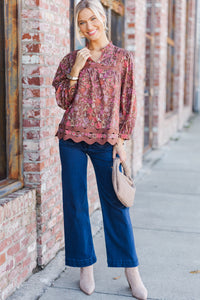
(119, 149)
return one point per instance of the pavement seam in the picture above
(174, 170)
(103, 293)
(163, 193)
(166, 230)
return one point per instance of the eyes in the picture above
(84, 22)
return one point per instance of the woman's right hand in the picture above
(81, 58)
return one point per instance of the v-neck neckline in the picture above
(102, 52)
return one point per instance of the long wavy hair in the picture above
(98, 10)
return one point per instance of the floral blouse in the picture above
(101, 105)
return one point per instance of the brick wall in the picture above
(45, 39)
(135, 41)
(18, 249)
(163, 125)
(169, 123)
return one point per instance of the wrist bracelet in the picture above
(71, 77)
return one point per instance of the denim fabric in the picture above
(79, 248)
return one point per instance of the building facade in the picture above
(35, 36)
(196, 104)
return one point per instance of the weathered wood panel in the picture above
(10, 102)
(12, 93)
(3, 158)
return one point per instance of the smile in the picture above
(92, 32)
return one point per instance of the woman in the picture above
(95, 87)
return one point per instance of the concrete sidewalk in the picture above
(166, 223)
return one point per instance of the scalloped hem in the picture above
(90, 135)
(89, 141)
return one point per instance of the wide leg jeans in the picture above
(119, 238)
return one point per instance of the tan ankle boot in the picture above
(87, 284)
(135, 282)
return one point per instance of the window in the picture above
(149, 74)
(115, 16)
(74, 43)
(187, 58)
(10, 134)
(170, 56)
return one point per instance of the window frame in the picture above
(170, 57)
(186, 70)
(13, 103)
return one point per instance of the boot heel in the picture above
(87, 283)
(138, 294)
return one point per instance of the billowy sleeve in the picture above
(128, 107)
(64, 93)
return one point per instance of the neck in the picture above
(98, 44)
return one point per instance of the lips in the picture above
(92, 32)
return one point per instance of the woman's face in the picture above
(91, 27)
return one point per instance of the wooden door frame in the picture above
(12, 21)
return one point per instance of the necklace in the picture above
(96, 56)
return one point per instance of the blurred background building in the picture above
(196, 106)
(34, 36)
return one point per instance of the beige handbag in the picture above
(123, 184)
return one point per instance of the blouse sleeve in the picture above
(64, 93)
(128, 108)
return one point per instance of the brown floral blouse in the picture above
(101, 105)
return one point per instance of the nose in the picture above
(89, 26)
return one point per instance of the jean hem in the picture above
(73, 262)
(122, 263)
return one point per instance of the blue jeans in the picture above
(79, 248)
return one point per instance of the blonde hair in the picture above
(96, 7)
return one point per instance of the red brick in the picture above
(30, 13)
(31, 123)
(26, 36)
(27, 262)
(20, 256)
(35, 81)
(5, 243)
(22, 276)
(33, 134)
(131, 36)
(31, 93)
(59, 235)
(33, 48)
(2, 259)
(50, 243)
(14, 249)
(32, 3)
(131, 25)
